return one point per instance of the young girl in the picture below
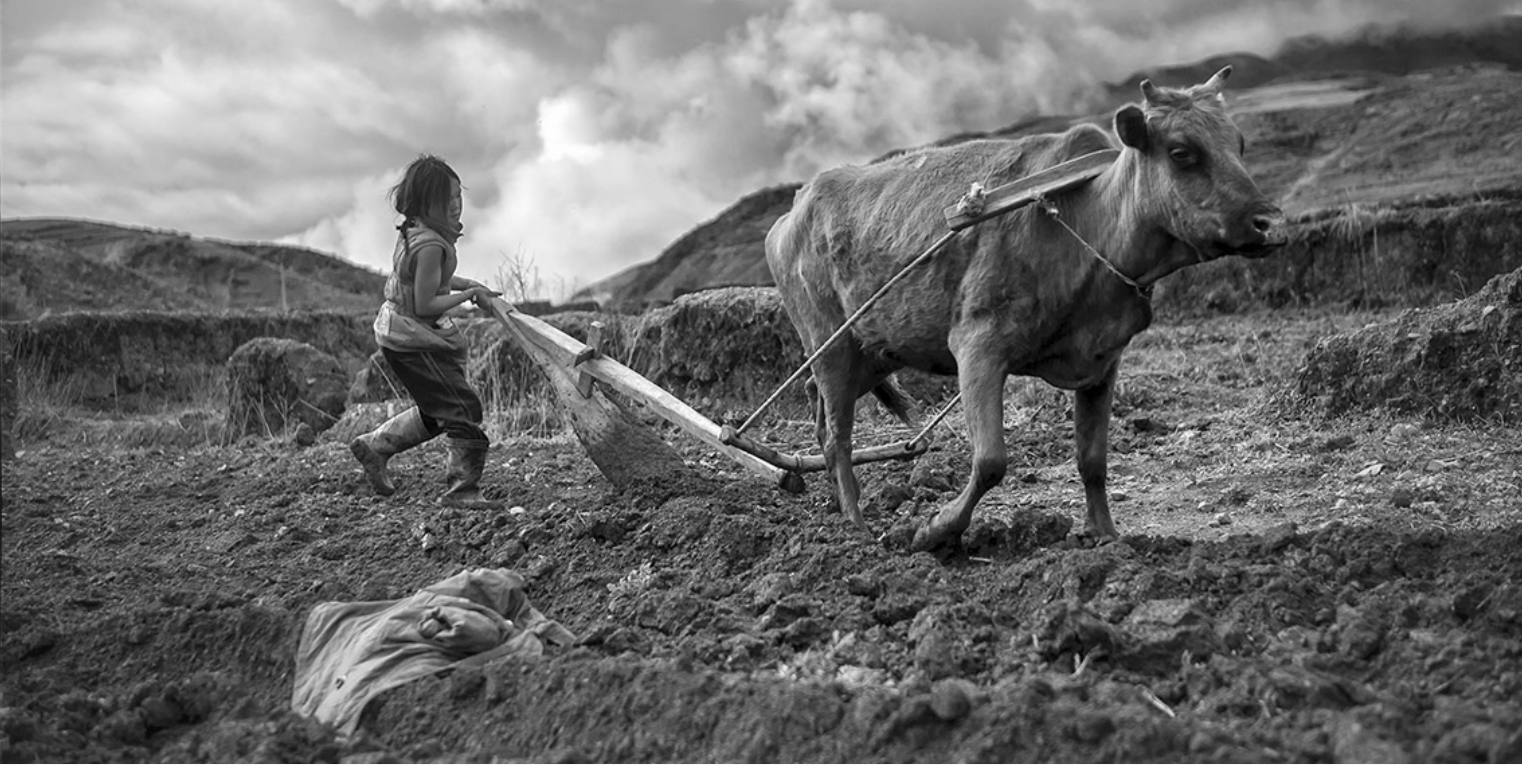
(427, 355)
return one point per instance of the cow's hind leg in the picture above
(1091, 432)
(982, 386)
(816, 407)
(835, 379)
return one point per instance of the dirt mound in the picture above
(1460, 360)
(276, 383)
(1361, 257)
(143, 360)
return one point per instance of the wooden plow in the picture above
(628, 454)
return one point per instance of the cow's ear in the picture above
(1131, 126)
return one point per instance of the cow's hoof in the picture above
(932, 538)
(1098, 537)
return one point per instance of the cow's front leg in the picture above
(982, 385)
(1091, 432)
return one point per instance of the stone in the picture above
(951, 699)
(274, 383)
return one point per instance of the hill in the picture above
(52, 265)
(1390, 118)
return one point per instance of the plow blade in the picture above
(625, 443)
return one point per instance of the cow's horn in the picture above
(1218, 79)
(1149, 91)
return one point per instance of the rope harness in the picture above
(1051, 211)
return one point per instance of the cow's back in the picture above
(852, 228)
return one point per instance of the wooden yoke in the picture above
(1016, 194)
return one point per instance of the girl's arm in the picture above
(458, 282)
(426, 278)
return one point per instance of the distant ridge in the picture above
(728, 250)
(57, 265)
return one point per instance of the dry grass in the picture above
(43, 405)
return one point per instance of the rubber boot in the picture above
(467, 460)
(396, 435)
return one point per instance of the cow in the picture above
(1027, 293)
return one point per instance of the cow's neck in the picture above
(1134, 241)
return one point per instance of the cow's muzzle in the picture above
(1263, 233)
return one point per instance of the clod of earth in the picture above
(275, 382)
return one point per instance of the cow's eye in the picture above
(1181, 155)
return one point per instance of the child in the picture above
(425, 350)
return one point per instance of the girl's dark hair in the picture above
(424, 188)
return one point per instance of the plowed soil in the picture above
(1285, 590)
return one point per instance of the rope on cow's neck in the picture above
(1051, 211)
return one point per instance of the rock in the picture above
(938, 654)
(1157, 632)
(933, 473)
(1361, 632)
(1296, 687)
(304, 436)
(788, 610)
(1468, 603)
(895, 607)
(159, 712)
(275, 383)
(1279, 537)
(125, 726)
(887, 498)
(938, 646)
(769, 589)
(1149, 425)
(863, 585)
(951, 699)
(1336, 443)
(1354, 742)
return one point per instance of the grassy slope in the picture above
(58, 265)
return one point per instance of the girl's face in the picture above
(456, 202)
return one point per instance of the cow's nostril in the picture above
(1262, 223)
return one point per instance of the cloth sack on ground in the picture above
(351, 652)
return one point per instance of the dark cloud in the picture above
(589, 133)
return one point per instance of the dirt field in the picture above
(1286, 590)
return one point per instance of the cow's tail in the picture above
(895, 400)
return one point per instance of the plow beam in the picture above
(812, 463)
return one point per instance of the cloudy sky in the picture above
(589, 133)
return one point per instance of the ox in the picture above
(1017, 294)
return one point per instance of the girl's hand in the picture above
(482, 295)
